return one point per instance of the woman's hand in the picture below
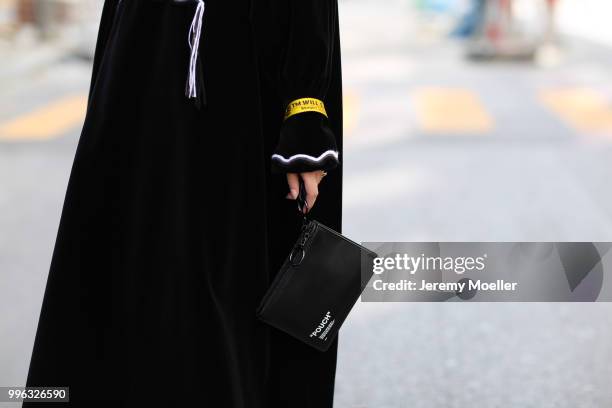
(311, 183)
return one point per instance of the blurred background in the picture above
(465, 120)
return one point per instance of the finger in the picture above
(294, 185)
(321, 174)
(311, 183)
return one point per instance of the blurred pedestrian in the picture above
(173, 223)
(473, 20)
(551, 8)
(549, 53)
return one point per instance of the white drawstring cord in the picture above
(195, 32)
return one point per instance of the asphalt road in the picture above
(437, 149)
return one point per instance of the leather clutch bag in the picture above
(317, 285)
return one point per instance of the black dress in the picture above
(175, 218)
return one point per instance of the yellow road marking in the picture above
(451, 111)
(584, 109)
(350, 104)
(49, 121)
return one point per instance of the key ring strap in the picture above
(302, 203)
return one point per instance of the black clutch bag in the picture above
(317, 285)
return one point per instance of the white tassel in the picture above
(195, 32)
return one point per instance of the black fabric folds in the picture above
(173, 225)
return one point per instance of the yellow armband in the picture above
(305, 105)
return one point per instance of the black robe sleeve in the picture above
(306, 141)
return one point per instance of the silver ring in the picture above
(291, 256)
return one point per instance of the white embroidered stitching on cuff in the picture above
(306, 157)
